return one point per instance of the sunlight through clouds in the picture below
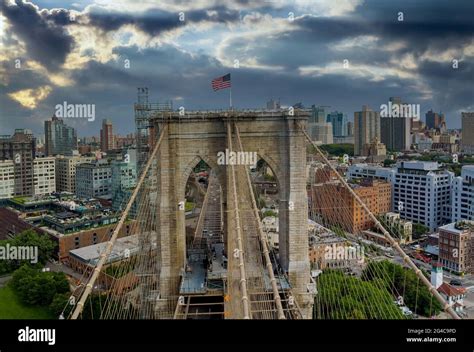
(30, 98)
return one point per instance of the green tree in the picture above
(60, 305)
(338, 149)
(388, 162)
(92, 307)
(28, 238)
(35, 287)
(419, 230)
(345, 297)
(403, 281)
(269, 213)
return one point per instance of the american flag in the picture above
(221, 82)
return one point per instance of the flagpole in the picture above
(230, 97)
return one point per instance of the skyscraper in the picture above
(60, 139)
(467, 139)
(350, 128)
(106, 136)
(20, 148)
(434, 120)
(366, 128)
(339, 123)
(396, 130)
(319, 129)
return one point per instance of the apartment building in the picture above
(66, 171)
(44, 175)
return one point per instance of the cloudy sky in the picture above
(99, 52)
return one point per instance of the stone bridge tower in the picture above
(194, 136)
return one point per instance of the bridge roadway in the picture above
(202, 285)
(204, 293)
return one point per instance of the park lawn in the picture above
(12, 308)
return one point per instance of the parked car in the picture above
(455, 282)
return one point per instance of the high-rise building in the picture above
(467, 139)
(366, 128)
(350, 128)
(339, 123)
(456, 246)
(93, 180)
(375, 193)
(21, 148)
(66, 171)
(395, 131)
(106, 136)
(59, 138)
(319, 129)
(463, 194)
(435, 120)
(422, 193)
(7, 179)
(44, 175)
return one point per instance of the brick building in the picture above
(456, 247)
(335, 205)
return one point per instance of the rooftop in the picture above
(450, 291)
(369, 166)
(123, 247)
(35, 200)
(458, 227)
(419, 165)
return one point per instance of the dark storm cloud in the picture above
(455, 11)
(420, 35)
(441, 71)
(21, 78)
(170, 73)
(60, 17)
(12, 114)
(167, 71)
(451, 87)
(46, 41)
(154, 22)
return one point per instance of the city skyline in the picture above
(96, 52)
(237, 160)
